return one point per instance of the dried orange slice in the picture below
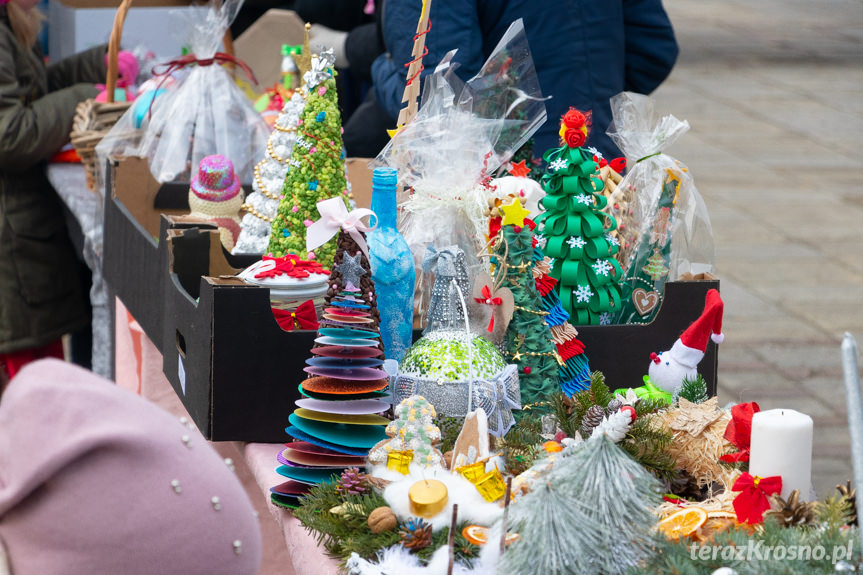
(682, 523)
(478, 535)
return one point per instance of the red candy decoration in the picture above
(527, 370)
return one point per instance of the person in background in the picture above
(584, 52)
(40, 292)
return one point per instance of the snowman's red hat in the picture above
(690, 348)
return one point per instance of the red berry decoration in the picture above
(527, 370)
(629, 409)
(559, 436)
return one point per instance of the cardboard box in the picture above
(76, 25)
(134, 260)
(234, 368)
(260, 45)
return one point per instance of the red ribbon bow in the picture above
(488, 300)
(739, 431)
(304, 317)
(752, 502)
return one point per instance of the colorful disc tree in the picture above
(336, 423)
(577, 230)
(317, 167)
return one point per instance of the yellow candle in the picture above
(428, 497)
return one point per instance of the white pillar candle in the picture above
(781, 444)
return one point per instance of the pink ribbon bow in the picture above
(335, 216)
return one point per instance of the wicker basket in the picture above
(95, 119)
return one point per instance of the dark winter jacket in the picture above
(40, 295)
(585, 51)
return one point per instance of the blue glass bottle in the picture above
(392, 268)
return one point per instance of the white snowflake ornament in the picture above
(602, 268)
(583, 294)
(576, 242)
(584, 199)
(559, 164)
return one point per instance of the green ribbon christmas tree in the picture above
(317, 172)
(577, 230)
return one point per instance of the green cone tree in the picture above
(317, 173)
(528, 338)
(577, 230)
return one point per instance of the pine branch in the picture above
(694, 390)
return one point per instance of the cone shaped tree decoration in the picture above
(336, 420)
(317, 167)
(577, 231)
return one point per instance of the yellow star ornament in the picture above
(514, 213)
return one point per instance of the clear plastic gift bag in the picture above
(461, 134)
(664, 226)
(198, 109)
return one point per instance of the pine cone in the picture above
(352, 482)
(592, 418)
(416, 534)
(849, 494)
(613, 406)
(793, 512)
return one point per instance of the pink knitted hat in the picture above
(94, 479)
(215, 180)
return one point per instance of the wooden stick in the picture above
(505, 513)
(452, 539)
(412, 88)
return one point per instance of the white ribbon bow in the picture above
(335, 216)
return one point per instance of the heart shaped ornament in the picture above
(645, 301)
(499, 300)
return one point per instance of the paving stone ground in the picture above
(773, 91)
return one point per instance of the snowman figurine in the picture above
(669, 368)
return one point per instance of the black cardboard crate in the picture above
(237, 371)
(134, 260)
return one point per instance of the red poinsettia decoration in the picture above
(291, 266)
(754, 500)
(739, 431)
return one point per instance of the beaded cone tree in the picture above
(317, 172)
(346, 366)
(262, 204)
(528, 339)
(577, 230)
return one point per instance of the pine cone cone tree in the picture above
(849, 494)
(352, 482)
(416, 534)
(613, 406)
(793, 512)
(592, 418)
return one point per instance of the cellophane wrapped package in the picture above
(461, 134)
(197, 108)
(664, 226)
